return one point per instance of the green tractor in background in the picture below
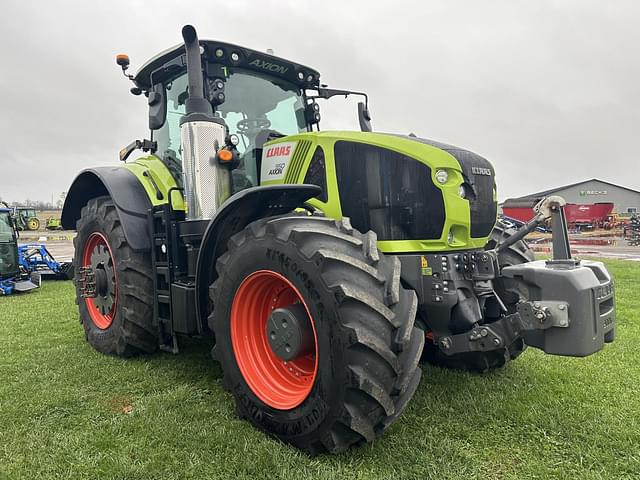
(26, 218)
(325, 265)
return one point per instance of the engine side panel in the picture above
(288, 160)
(157, 181)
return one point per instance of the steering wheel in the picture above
(248, 124)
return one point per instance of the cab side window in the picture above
(168, 137)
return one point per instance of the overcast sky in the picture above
(548, 91)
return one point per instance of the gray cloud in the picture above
(547, 90)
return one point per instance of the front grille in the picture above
(297, 160)
(388, 192)
(484, 208)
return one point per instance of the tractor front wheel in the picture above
(314, 332)
(117, 317)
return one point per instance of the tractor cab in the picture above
(9, 266)
(14, 277)
(258, 96)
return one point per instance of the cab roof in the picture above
(172, 61)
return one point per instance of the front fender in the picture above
(128, 195)
(234, 215)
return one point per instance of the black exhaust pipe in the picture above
(196, 103)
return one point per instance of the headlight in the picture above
(450, 237)
(442, 176)
(462, 192)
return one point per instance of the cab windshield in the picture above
(254, 106)
(254, 103)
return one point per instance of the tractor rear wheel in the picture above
(33, 224)
(314, 332)
(118, 318)
(481, 362)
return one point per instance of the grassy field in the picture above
(69, 412)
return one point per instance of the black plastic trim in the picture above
(235, 214)
(167, 63)
(128, 195)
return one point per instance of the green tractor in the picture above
(324, 265)
(26, 218)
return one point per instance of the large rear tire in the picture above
(119, 319)
(482, 362)
(33, 224)
(360, 367)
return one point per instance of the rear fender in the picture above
(128, 195)
(234, 215)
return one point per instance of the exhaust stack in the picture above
(207, 184)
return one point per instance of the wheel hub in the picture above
(274, 339)
(103, 268)
(102, 284)
(97, 258)
(289, 332)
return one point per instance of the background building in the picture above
(625, 200)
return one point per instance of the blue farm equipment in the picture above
(34, 257)
(13, 276)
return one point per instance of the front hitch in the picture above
(549, 209)
(566, 307)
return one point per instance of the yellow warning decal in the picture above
(424, 266)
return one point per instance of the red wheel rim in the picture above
(97, 255)
(278, 383)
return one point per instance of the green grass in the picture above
(69, 412)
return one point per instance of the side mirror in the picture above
(364, 117)
(157, 100)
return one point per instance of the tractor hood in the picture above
(453, 192)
